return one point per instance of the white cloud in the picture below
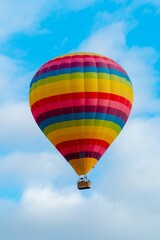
(26, 155)
(132, 166)
(139, 63)
(19, 130)
(45, 213)
(16, 17)
(109, 40)
(14, 80)
(27, 168)
(138, 150)
(8, 68)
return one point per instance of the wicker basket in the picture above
(84, 185)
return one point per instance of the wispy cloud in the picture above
(15, 17)
(76, 4)
(14, 80)
(131, 6)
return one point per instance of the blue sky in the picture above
(38, 195)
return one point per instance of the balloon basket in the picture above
(83, 183)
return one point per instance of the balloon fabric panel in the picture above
(81, 102)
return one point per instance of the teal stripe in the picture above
(78, 70)
(80, 116)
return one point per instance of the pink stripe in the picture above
(83, 148)
(81, 59)
(80, 102)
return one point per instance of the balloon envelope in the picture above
(81, 102)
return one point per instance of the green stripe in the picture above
(85, 76)
(91, 122)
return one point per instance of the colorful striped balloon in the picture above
(81, 102)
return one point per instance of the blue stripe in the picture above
(80, 116)
(76, 70)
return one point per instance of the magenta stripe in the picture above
(80, 109)
(79, 60)
(79, 155)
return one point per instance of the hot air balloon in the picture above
(81, 102)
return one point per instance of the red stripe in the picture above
(85, 95)
(78, 142)
(84, 148)
(83, 145)
(80, 102)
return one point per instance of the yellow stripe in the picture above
(69, 81)
(91, 85)
(83, 165)
(80, 54)
(81, 135)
